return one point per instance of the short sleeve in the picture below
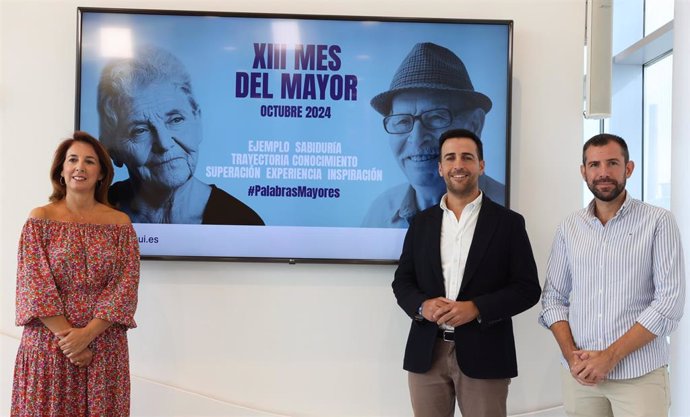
(118, 300)
(37, 294)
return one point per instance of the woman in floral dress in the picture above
(77, 279)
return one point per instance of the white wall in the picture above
(680, 196)
(301, 340)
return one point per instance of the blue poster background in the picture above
(215, 49)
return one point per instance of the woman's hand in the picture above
(74, 341)
(83, 358)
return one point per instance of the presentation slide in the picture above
(287, 137)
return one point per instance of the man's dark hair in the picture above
(464, 134)
(603, 139)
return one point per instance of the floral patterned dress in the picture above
(82, 271)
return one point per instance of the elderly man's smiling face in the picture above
(417, 151)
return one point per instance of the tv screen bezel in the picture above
(308, 17)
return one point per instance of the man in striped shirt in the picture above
(614, 291)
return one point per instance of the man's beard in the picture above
(610, 195)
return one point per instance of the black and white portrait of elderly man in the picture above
(431, 92)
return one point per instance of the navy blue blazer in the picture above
(500, 277)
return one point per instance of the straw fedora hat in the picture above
(430, 66)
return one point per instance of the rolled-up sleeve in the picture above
(555, 299)
(666, 309)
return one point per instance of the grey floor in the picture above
(553, 412)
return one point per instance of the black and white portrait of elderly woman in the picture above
(150, 122)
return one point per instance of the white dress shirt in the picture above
(456, 239)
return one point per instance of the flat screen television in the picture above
(274, 137)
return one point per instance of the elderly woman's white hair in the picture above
(121, 78)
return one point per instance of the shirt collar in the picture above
(624, 208)
(408, 206)
(473, 205)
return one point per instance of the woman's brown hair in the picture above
(59, 188)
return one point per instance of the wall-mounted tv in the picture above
(287, 137)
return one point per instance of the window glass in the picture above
(656, 14)
(657, 132)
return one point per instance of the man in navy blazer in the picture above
(466, 268)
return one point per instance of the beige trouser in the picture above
(434, 392)
(646, 396)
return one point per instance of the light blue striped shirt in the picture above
(604, 278)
